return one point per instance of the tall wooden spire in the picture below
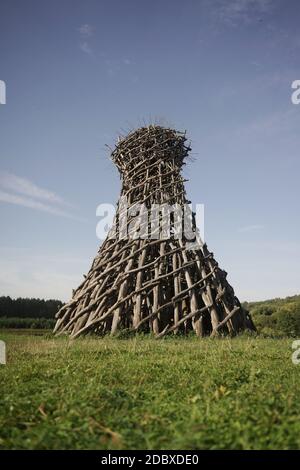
(155, 283)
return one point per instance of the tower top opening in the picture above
(150, 144)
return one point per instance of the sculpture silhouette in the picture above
(159, 283)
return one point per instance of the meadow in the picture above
(142, 393)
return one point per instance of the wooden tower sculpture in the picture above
(156, 283)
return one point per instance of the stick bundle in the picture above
(154, 284)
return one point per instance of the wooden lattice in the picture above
(155, 284)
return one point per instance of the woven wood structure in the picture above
(155, 284)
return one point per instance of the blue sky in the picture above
(80, 72)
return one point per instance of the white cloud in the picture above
(250, 228)
(234, 12)
(276, 123)
(280, 124)
(23, 192)
(32, 204)
(24, 186)
(34, 272)
(84, 47)
(86, 30)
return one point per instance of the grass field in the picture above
(141, 393)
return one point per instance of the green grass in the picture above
(141, 393)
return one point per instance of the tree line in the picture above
(28, 308)
(276, 317)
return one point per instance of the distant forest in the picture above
(28, 313)
(273, 318)
(29, 308)
(276, 317)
